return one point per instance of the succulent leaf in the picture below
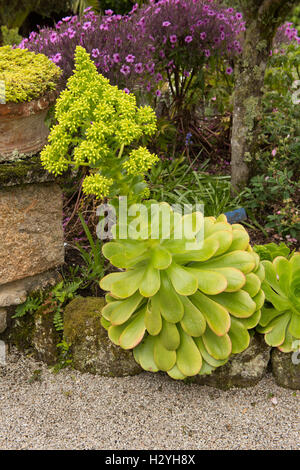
(280, 322)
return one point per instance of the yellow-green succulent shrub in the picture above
(98, 125)
(280, 320)
(183, 309)
(27, 76)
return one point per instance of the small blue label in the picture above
(236, 216)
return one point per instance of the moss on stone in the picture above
(91, 348)
(19, 331)
(44, 336)
(23, 171)
(285, 371)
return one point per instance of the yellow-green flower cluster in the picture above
(97, 185)
(96, 121)
(27, 76)
(140, 161)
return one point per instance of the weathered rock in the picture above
(31, 233)
(286, 369)
(242, 370)
(3, 321)
(11, 294)
(15, 293)
(44, 337)
(91, 348)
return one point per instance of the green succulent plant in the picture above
(183, 305)
(280, 320)
(27, 76)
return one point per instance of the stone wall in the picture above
(31, 232)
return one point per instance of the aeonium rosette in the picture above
(184, 304)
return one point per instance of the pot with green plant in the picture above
(28, 87)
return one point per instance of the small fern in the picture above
(58, 320)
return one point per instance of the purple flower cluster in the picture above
(149, 45)
(286, 34)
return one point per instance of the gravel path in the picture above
(70, 410)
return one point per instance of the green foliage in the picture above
(270, 198)
(96, 121)
(178, 182)
(10, 36)
(280, 124)
(78, 6)
(27, 75)
(93, 259)
(280, 319)
(53, 301)
(32, 304)
(270, 251)
(183, 305)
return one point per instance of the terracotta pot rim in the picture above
(27, 108)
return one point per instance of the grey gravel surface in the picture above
(70, 410)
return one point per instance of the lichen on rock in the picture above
(286, 369)
(92, 351)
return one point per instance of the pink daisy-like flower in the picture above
(158, 77)
(71, 33)
(139, 68)
(130, 58)
(207, 53)
(53, 38)
(86, 25)
(125, 70)
(173, 39)
(203, 36)
(274, 152)
(95, 52)
(56, 58)
(229, 70)
(239, 16)
(126, 91)
(188, 39)
(66, 19)
(116, 58)
(166, 24)
(158, 93)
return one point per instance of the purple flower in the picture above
(207, 53)
(95, 53)
(229, 70)
(71, 33)
(116, 58)
(32, 36)
(86, 25)
(188, 39)
(166, 24)
(173, 39)
(125, 70)
(53, 38)
(203, 36)
(139, 68)
(158, 93)
(130, 58)
(109, 12)
(118, 41)
(126, 91)
(56, 58)
(66, 19)
(158, 77)
(239, 16)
